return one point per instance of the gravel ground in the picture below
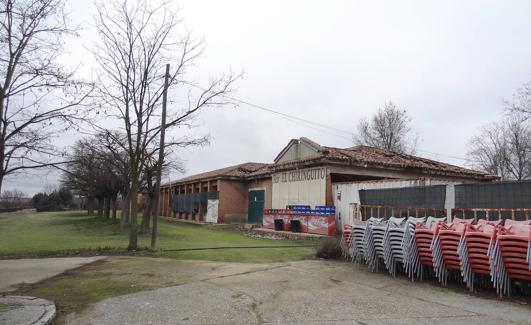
(304, 292)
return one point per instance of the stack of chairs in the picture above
(510, 256)
(359, 238)
(445, 246)
(483, 254)
(346, 242)
(412, 264)
(474, 251)
(358, 231)
(424, 235)
(373, 242)
(394, 236)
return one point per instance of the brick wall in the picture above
(232, 198)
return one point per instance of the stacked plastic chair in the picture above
(360, 238)
(346, 242)
(473, 251)
(510, 256)
(373, 242)
(486, 254)
(409, 248)
(445, 246)
(393, 252)
(358, 232)
(424, 235)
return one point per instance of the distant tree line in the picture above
(99, 172)
(13, 200)
(56, 200)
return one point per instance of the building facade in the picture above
(304, 172)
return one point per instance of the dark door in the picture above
(256, 206)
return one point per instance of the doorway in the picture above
(256, 206)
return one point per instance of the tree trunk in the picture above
(90, 206)
(2, 154)
(113, 207)
(161, 160)
(146, 216)
(133, 230)
(107, 207)
(100, 207)
(126, 209)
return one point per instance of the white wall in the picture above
(301, 186)
(298, 151)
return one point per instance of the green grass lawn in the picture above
(67, 233)
(73, 233)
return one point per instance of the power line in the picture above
(295, 118)
(317, 126)
(290, 116)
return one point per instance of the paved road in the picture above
(305, 292)
(32, 270)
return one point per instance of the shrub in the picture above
(329, 248)
(55, 201)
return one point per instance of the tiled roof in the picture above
(236, 171)
(371, 156)
(365, 156)
(360, 156)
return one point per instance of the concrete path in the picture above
(32, 270)
(305, 292)
(22, 310)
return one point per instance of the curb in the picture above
(27, 310)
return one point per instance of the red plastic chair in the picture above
(511, 255)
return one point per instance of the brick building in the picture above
(302, 173)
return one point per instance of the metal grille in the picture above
(494, 195)
(421, 196)
(190, 202)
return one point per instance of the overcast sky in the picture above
(450, 64)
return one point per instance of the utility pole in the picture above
(161, 159)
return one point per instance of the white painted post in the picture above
(449, 202)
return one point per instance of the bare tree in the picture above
(388, 129)
(95, 171)
(487, 150)
(503, 148)
(518, 153)
(14, 199)
(137, 41)
(520, 102)
(150, 174)
(81, 173)
(38, 97)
